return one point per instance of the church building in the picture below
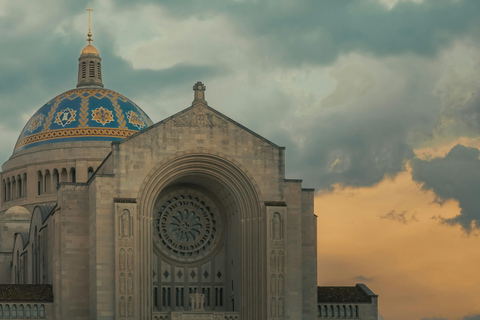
(107, 215)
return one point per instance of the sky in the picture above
(376, 101)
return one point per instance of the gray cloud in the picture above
(363, 279)
(473, 317)
(399, 217)
(357, 145)
(297, 32)
(455, 176)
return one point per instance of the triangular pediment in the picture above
(200, 115)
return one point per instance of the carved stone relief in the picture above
(273, 260)
(130, 306)
(121, 260)
(199, 117)
(273, 281)
(273, 307)
(122, 283)
(280, 261)
(124, 244)
(122, 306)
(130, 283)
(130, 259)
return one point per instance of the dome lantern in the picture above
(89, 63)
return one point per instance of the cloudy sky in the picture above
(376, 101)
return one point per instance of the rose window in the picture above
(188, 225)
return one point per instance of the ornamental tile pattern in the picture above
(83, 114)
(64, 117)
(102, 115)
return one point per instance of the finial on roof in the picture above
(89, 34)
(199, 89)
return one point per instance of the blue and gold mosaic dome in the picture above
(84, 114)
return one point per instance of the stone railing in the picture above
(193, 315)
(26, 310)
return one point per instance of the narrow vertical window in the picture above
(99, 75)
(169, 297)
(155, 297)
(164, 297)
(91, 69)
(84, 70)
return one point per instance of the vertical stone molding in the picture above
(276, 218)
(125, 214)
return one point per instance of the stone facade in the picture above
(189, 218)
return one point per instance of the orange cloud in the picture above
(421, 268)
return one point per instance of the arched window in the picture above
(319, 311)
(99, 75)
(91, 69)
(4, 185)
(19, 186)
(24, 185)
(343, 312)
(47, 180)
(55, 178)
(7, 311)
(90, 172)
(21, 311)
(337, 311)
(42, 311)
(349, 312)
(72, 175)
(355, 313)
(64, 177)
(1, 311)
(8, 198)
(330, 311)
(35, 311)
(28, 311)
(14, 188)
(40, 182)
(84, 70)
(325, 311)
(14, 311)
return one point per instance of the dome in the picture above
(18, 213)
(84, 114)
(89, 49)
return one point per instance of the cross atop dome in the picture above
(89, 34)
(89, 66)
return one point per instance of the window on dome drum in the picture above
(99, 76)
(40, 183)
(24, 185)
(84, 69)
(72, 175)
(55, 178)
(64, 176)
(47, 183)
(19, 186)
(14, 188)
(91, 69)
(90, 172)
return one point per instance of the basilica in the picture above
(107, 215)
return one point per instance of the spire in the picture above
(89, 34)
(199, 89)
(89, 63)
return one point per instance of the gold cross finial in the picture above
(89, 25)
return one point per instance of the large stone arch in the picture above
(210, 170)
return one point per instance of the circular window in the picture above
(188, 225)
